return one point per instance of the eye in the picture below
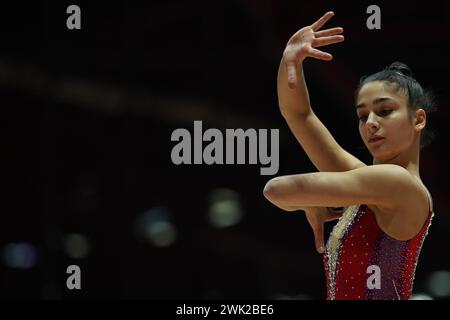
(383, 112)
(386, 111)
(362, 117)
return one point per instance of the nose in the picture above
(372, 122)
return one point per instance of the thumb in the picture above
(318, 238)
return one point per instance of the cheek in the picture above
(360, 128)
(400, 130)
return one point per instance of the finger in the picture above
(314, 53)
(329, 32)
(324, 41)
(318, 238)
(291, 74)
(319, 23)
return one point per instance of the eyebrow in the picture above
(375, 101)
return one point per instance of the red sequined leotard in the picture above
(358, 250)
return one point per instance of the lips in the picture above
(375, 138)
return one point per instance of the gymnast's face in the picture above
(384, 112)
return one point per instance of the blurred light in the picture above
(225, 209)
(161, 233)
(155, 227)
(420, 296)
(19, 255)
(438, 283)
(76, 246)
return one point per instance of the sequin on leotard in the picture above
(355, 244)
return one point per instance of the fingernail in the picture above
(321, 249)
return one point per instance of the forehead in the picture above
(372, 90)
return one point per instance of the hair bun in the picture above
(401, 68)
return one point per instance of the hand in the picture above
(316, 217)
(303, 43)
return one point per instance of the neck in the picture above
(408, 159)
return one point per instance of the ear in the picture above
(420, 119)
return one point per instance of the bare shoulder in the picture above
(407, 217)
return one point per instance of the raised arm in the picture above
(293, 98)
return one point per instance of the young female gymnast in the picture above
(373, 250)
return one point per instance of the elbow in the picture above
(272, 192)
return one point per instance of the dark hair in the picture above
(400, 76)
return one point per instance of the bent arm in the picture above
(370, 185)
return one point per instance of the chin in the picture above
(381, 155)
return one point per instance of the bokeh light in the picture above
(76, 246)
(438, 284)
(421, 296)
(19, 255)
(225, 209)
(155, 227)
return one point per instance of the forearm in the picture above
(290, 207)
(303, 191)
(296, 100)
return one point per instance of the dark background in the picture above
(85, 142)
